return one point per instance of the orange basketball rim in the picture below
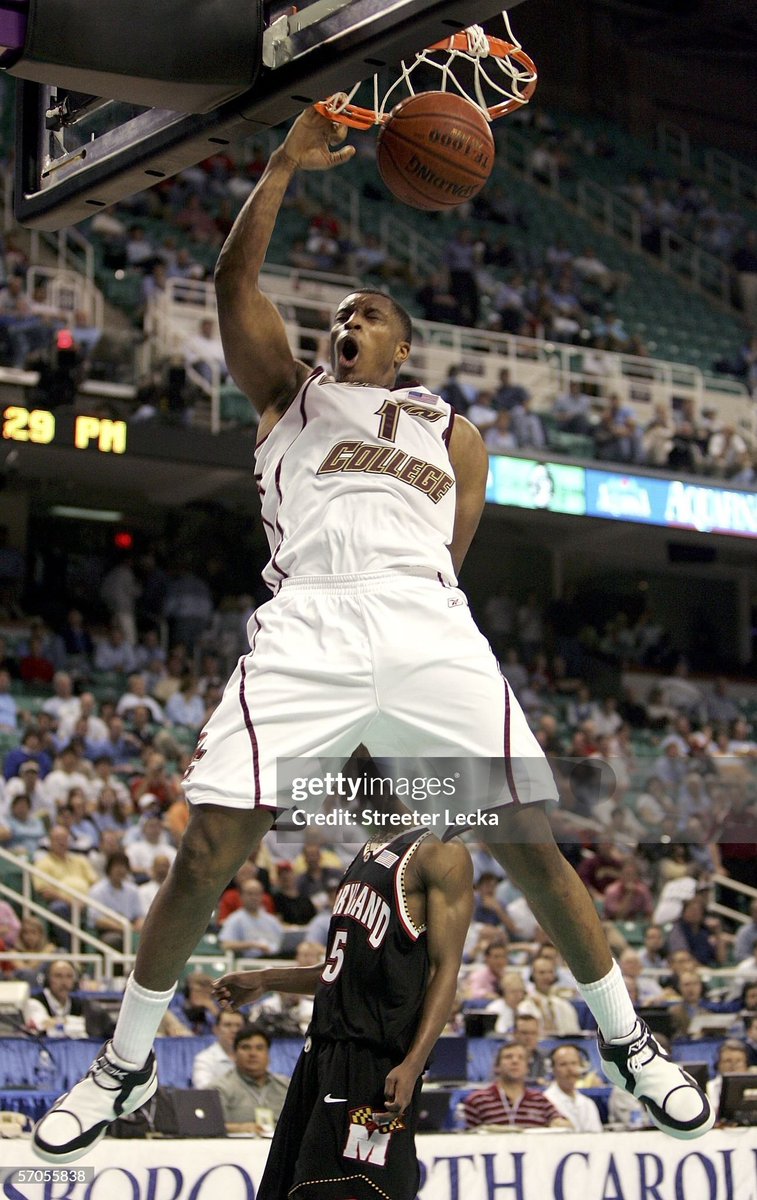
(504, 78)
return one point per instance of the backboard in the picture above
(77, 153)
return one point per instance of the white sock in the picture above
(141, 1013)
(611, 1006)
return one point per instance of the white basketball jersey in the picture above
(357, 479)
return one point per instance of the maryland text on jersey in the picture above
(363, 904)
(368, 458)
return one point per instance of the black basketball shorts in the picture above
(328, 1144)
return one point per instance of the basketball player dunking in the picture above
(370, 498)
(382, 997)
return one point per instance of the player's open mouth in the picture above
(348, 351)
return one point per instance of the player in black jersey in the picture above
(382, 997)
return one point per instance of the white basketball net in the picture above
(503, 77)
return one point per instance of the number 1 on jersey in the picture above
(335, 960)
(390, 415)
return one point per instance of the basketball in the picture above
(436, 151)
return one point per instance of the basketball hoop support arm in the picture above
(328, 53)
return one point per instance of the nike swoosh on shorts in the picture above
(334, 1099)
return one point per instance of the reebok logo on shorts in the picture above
(454, 601)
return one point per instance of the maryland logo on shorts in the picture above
(368, 1138)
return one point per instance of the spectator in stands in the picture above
(747, 1002)
(156, 781)
(64, 867)
(654, 952)
(73, 813)
(456, 393)
(35, 665)
(161, 865)
(527, 427)
(113, 652)
(87, 724)
(20, 831)
(10, 928)
(27, 783)
(658, 437)
(153, 842)
(250, 1092)
(500, 437)
(8, 661)
(186, 706)
(512, 1002)
(746, 938)
(251, 931)
(120, 747)
(702, 936)
(616, 437)
(8, 707)
(590, 268)
(507, 1101)
(211, 1064)
(600, 869)
(643, 990)
(119, 893)
(750, 1038)
(571, 410)
(745, 265)
(628, 898)
(725, 451)
(70, 771)
(204, 352)
(568, 1065)
(137, 694)
(317, 875)
(437, 302)
(32, 940)
(526, 1032)
(482, 413)
(195, 1004)
(719, 707)
(53, 1011)
(732, 1059)
(120, 590)
(63, 705)
(460, 260)
(188, 607)
(290, 905)
(558, 1016)
(485, 981)
(231, 899)
(25, 330)
(509, 395)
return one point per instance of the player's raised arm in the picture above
(470, 463)
(447, 871)
(254, 339)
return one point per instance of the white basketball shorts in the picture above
(393, 661)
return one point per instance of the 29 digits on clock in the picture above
(38, 426)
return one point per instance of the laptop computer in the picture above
(189, 1112)
(449, 1059)
(434, 1110)
(738, 1099)
(479, 1024)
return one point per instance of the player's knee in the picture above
(214, 846)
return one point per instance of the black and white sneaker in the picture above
(674, 1100)
(81, 1116)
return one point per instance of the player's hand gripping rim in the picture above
(309, 141)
